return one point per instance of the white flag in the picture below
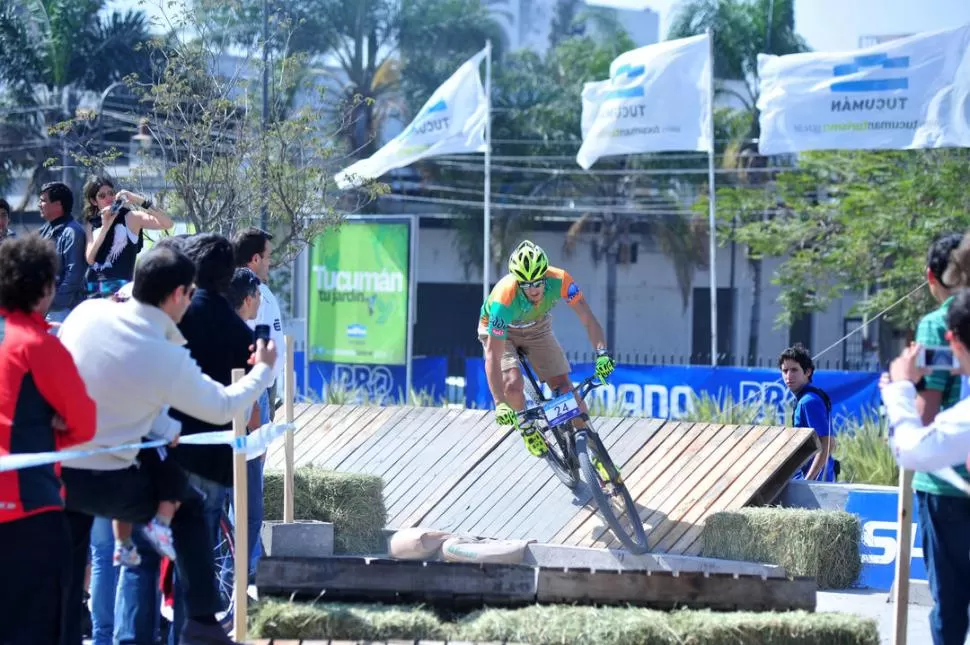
(658, 98)
(908, 93)
(451, 122)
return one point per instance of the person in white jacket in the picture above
(254, 251)
(132, 360)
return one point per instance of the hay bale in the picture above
(820, 544)
(557, 624)
(338, 621)
(353, 502)
(789, 628)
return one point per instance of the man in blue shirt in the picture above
(55, 204)
(813, 409)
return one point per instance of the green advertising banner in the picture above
(359, 278)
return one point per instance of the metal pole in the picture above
(711, 219)
(264, 186)
(487, 243)
(240, 522)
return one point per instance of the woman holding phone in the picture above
(113, 225)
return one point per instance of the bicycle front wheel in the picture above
(560, 456)
(615, 503)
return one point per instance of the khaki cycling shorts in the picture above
(540, 346)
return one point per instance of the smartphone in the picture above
(937, 358)
(262, 331)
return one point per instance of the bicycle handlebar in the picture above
(586, 386)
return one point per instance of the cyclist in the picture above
(516, 315)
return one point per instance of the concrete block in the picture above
(822, 495)
(574, 557)
(302, 539)
(919, 593)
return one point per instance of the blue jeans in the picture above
(945, 525)
(104, 581)
(254, 476)
(212, 506)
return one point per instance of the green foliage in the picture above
(723, 408)
(847, 220)
(862, 447)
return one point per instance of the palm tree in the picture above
(54, 53)
(741, 31)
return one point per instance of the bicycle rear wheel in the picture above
(224, 553)
(612, 497)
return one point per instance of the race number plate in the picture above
(561, 409)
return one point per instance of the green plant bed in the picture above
(557, 624)
(353, 502)
(816, 543)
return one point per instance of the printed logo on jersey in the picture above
(277, 326)
(572, 292)
(498, 323)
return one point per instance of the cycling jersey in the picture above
(507, 306)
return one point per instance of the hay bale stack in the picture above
(820, 544)
(353, 502)
(557, 624)
(338, 621)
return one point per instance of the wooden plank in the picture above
(333, 455)
(453, 483)
(529, 508)
(348, 430)
(469, 440)
(804, 443)
(403, 457)
(640, 478)
(736, 493)
(304, 429)
(666, 472)
(554, 512)
(328, 417)
(345, 442)
(377, 579)
(721, 454)
(668, 590)
(458, 444)
(374, 446)
(668, 434)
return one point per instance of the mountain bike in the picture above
(573, 450)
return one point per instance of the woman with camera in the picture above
(113, 225)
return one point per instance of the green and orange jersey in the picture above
(507, 306)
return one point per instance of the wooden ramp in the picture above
(455, 470)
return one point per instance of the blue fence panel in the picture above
(877, 510)
(665, 391)
(381, 383)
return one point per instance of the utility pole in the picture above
(264, 184)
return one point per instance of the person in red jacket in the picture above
(44, 406)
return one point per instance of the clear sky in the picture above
(827, 25)
(835, 25)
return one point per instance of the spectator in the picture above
(244, 297)
(944, 520)
(143, 332)
(44, 406)
(56, 202)
(5, 231)
(813, 409)
(254, 251)
(938, 502)
(122, 217)
(219, 341)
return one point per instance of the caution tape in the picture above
(252, 445)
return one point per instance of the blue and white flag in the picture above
(912, 92)
(658, 98)
(451, 122)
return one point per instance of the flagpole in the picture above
(487, 238)
(711, 220)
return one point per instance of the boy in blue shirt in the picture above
(813, 409)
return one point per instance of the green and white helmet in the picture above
(528, 262)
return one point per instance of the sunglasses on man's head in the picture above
(535, 284)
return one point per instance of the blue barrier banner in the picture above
(877, 510)
(665, 391)
(382, 383)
